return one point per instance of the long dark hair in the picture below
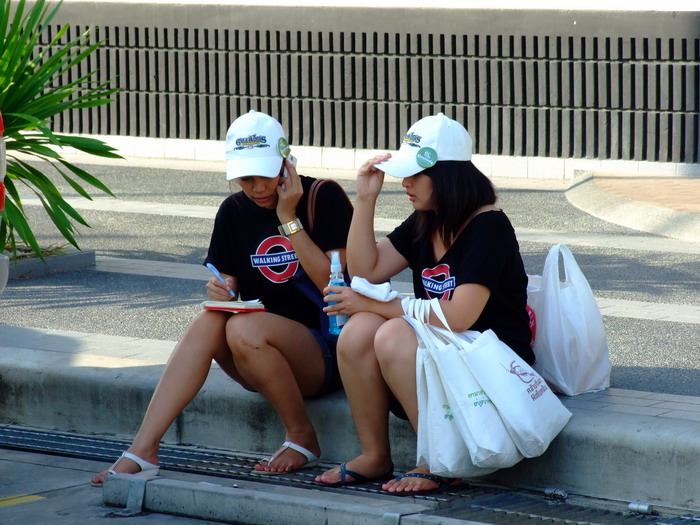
(459, 189)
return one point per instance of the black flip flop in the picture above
(358, 478)
(442, 484)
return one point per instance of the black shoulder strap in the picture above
(313, 193)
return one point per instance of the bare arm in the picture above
(464, 308)
(374, 261)
(461, 312)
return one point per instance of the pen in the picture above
(218, 276)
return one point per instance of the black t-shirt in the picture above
(486, 252)
(246, 244)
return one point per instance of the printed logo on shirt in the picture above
(276, 259)
(437, 282)
(411, 139)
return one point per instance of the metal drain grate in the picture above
(232, 465)
(477, 503)
(516, 508)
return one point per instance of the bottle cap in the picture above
(336, 267)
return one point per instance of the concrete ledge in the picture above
(108, 396)
(279, 504)
(26, 268)
(619, 445)
(619, 456)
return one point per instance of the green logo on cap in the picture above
(283, 147)
(426, 157)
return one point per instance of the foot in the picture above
(364, 468)
(123, 465)
(287, 459)
(418, 480)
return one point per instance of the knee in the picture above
(205, 334)
(242, 339)
(394, 341)
(356, 338)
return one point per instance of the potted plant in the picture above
(32, 92)
(4, 259)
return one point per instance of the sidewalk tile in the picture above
(679, 414)
(687, 407)
(641, 411)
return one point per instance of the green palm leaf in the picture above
(33, 90)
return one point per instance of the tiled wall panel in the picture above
(609, 88)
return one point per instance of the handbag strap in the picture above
(311, 210)
(419, 309)
(313, 194)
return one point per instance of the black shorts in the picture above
(396, 408)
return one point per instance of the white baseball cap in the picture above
(255, 146)
(428, 141)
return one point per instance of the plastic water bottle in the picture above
(336, 322)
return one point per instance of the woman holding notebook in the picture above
(261, 248)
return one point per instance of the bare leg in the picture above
(395, 346)
(184, 375)
(368, 395)
(283, 361)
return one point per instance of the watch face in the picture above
(293, 226)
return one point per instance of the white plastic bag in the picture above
(571, 346)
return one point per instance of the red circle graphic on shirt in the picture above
(276, 259)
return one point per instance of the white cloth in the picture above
(378, 292)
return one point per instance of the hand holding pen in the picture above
(216, 273)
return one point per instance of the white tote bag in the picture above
(460, 433)
(571, 346)
(441, 447)
(531, 412)
(478, 420)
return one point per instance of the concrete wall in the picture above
(531, 83)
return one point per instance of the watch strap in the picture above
(291, 227)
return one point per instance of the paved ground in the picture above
(647, 285)
(148, 282)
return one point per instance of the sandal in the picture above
(147, 469)
(357, 478)
(442, 484)
(311, 459)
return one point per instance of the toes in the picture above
(99, 478)
(330, 476)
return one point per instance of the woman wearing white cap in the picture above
(461, 248)
(262, 250)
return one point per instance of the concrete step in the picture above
(620, 444)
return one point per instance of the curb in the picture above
(614, 440)
(587, 196)
(34, 267)
(242, 503)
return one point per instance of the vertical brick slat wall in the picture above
(523, 93)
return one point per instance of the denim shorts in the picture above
(331, 380)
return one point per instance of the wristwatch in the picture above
(290, 228)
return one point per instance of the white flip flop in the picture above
(311, 459)
(147, 469)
